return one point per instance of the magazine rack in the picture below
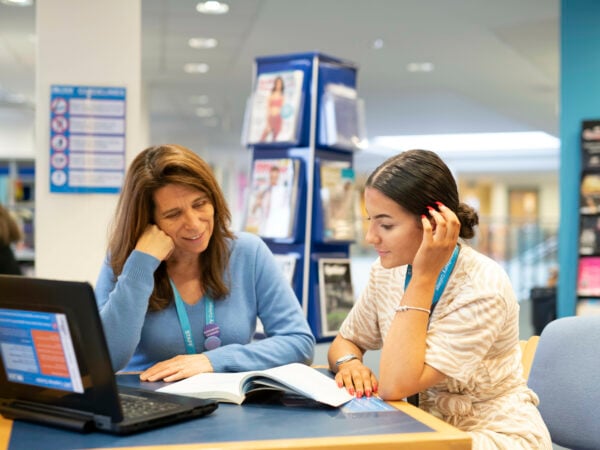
(588, 270)
(318, 123)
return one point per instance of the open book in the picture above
(294, 378)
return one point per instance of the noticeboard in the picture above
(87, 139)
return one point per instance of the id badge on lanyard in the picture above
(212, 331)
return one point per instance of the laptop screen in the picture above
(53, 346)
(37, 349)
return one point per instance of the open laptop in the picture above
(55, 367)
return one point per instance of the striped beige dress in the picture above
(473, 338)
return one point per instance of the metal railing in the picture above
(527, 250)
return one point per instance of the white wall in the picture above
(82, 44)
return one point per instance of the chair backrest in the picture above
(528, 348)
(565, 374)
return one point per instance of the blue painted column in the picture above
(579, 100)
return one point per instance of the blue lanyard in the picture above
(211, 329)
(443, 278)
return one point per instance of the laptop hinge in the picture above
(49, 415)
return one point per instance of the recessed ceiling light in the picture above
(201, 42)
(15, 98)
(420, 67)
(17, 2)
(205, 112)
(378, 44)
(196, 68)
(201, 99)
(212, 7)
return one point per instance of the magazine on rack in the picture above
(276, 108)
(588, 276)
(335, 292)
(271, 209)
(590, 194)
(589, 235)
(295, 378)
(342, 117)
(590, 144)
(338, 200)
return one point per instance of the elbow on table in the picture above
(301, 347)
(390, 394)
(393, 389)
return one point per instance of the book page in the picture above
(218, 386)
(232, 387)
(309, 382)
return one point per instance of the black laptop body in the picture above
(55, 367)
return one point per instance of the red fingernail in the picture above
(368, 392)
(351, 390)
(423, 216)
(430, 208)
(439, 203)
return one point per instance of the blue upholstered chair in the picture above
(565, 374)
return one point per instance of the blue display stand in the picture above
(312, 73)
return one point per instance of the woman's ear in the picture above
(431, 221)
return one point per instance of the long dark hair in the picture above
(416, 179)
(153, 168)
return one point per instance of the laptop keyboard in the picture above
(134, 406)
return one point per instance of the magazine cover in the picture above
(338, 199)
(589, 235)
(276, 107)
(590, 194)
(588, 277)
(335, 292)
(272, 200)
(590, 144)
(342, 117)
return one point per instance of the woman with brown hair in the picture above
(9, 234)
(180, 293)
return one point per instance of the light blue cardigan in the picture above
(138, 339)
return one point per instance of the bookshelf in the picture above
(318, 124)
(588, 265)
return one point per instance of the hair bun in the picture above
(468, 220)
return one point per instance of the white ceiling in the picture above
(496, 62)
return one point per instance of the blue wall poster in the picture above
(87, 139)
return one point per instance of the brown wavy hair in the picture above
(416, 179)
(9, 230)
(152, 169)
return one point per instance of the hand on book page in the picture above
(297, 378)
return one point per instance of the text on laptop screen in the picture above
(37, 349)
